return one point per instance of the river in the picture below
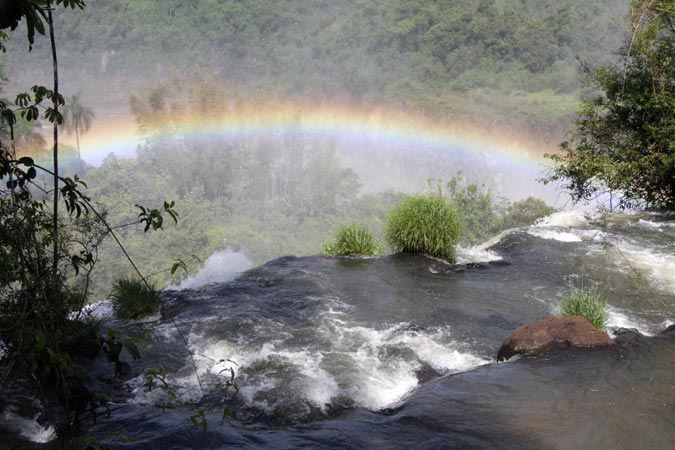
(400, 351)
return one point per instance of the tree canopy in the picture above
(623, 140)
(489, 61)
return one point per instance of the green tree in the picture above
(77, 120)
(524, 213)
(623, 141)
(479, 214)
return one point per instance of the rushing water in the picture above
(399, 351)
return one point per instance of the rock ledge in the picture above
(554, 333)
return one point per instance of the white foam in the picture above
(312, 382)
(382, 381)
(496, 239)
(658, 225)
(28, 428)
(221, 267)
(99, 310)
(476, 254)
(380, 384)
(655, 225)
(183, 383)
(658, 268)
(443, 358)
(620, 318)
(357, 363)
(317, 384)
(572, 218)
(554, 234)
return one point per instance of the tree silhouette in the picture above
(77, 119)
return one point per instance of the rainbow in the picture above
(453, 144)
(119, 133)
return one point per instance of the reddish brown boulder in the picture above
(554, 333)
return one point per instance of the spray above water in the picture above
(221, 267)
(31, 429)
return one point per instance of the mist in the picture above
(272, 124)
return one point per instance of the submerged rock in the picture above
(426, 373)
(554, 333)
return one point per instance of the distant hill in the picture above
(507, 61)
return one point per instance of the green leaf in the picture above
(179, 264)
(26, 161)
(40, 341)
(132, 349)
(75, 262)
(53, 115)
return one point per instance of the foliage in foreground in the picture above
(622, 141)
(46, 258)
(587, 303)
(133, 299)
(427, 224)
(352, 240)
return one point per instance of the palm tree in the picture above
(77, 119)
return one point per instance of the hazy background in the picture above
(498, 80)
(494, 62)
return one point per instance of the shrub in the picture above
(426, 224)
(352, 240)
(132, 299)
(82, 337)
(525, 213)
(588, 303)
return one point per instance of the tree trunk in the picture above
(55, 224)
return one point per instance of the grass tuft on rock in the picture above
(132, 299)
(352, 240)
(427, 224)
(588, 303)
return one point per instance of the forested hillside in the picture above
(514, 62)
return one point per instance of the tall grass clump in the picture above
(352, 240)
(427, 224)
(588, 303)
(132, 299)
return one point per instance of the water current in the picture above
(399, 351)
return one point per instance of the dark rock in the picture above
(669, 329)
(426, 373)
(554, 333)
(499, 263)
